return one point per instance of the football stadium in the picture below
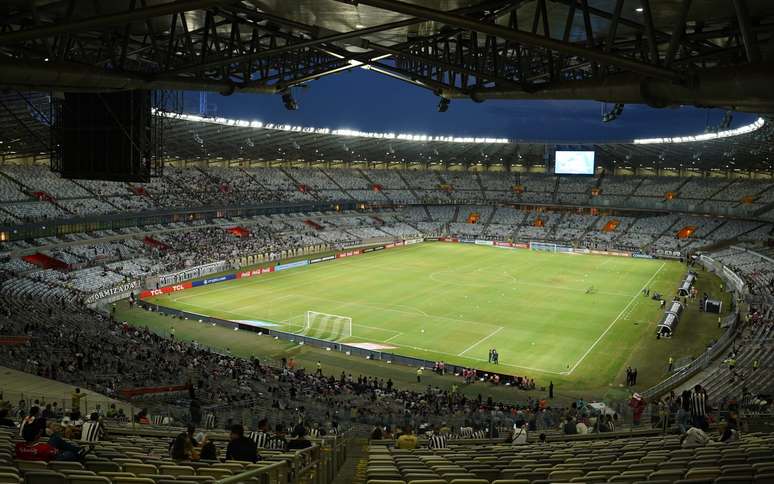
(387, 242)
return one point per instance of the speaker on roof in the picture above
(104, 136)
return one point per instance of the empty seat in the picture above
(46, 477)
(83, 479)
(9, 478)
(173, 470)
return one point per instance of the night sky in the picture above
(367, 101)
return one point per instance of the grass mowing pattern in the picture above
(453, 302)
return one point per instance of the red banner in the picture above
(254, 272)
(13, 340)
(166, 290)
(348, 253)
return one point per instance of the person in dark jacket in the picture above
(299, 440)
(240, 447)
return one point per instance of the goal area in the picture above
(548, 247)
(332, 327)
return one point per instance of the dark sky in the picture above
(367, 101)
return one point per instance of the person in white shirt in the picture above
(519, 436)
(694, 437)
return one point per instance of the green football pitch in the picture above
(549, 315)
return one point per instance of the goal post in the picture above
(327, 326)
(542, 246)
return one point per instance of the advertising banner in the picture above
(483, 242)
(321, 259)
(412, 241)
(214, 280)
(254, 272)
(639, 255)
(615, 253)
(192, 273)
(166, 289)
(291, 265)
(113, 291)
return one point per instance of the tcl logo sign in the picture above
(178, 287)
(156, 292)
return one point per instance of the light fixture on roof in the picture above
(288, 100)
(639, 9)
(613, 114)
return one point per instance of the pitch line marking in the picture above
(481, 340)
(392, 338)
(634, 298)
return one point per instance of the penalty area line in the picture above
(500, 328)
(595, 343)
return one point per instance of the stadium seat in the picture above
(31, 465)
(132, 480)
(102, 466)
(140, 468)
(381, 481)
(176, 471)
(764, 479)
(81, 479)
(9, 478)
(64, 465)
(214, 472)
(47, 477)
(736, 479)
(157, 477)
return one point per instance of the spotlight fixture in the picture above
(613, 114)
(443, 105)
(288, 100)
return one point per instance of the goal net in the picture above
(548, 247)
(326, 326)
(542, 246)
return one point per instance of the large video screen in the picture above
(574, 163)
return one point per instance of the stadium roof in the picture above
(657, 52)
(24, 132)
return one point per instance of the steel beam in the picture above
(744, 88)
(76, 77)
(677, 33)
(748, 35)
(100, 21)
(336, 37)
(523, 37)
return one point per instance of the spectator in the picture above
(75, 400)
(698, 406)
(437, 440)
(209, 451)
(569, 427)
(407, 439)
(4, 420)
(92, 431)
(240, 447)
(519, 436)
(32, 424)
(262, 435)
(694, 437)
(277, 441)
(66, 451)
(299, 440)
(182, 448)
